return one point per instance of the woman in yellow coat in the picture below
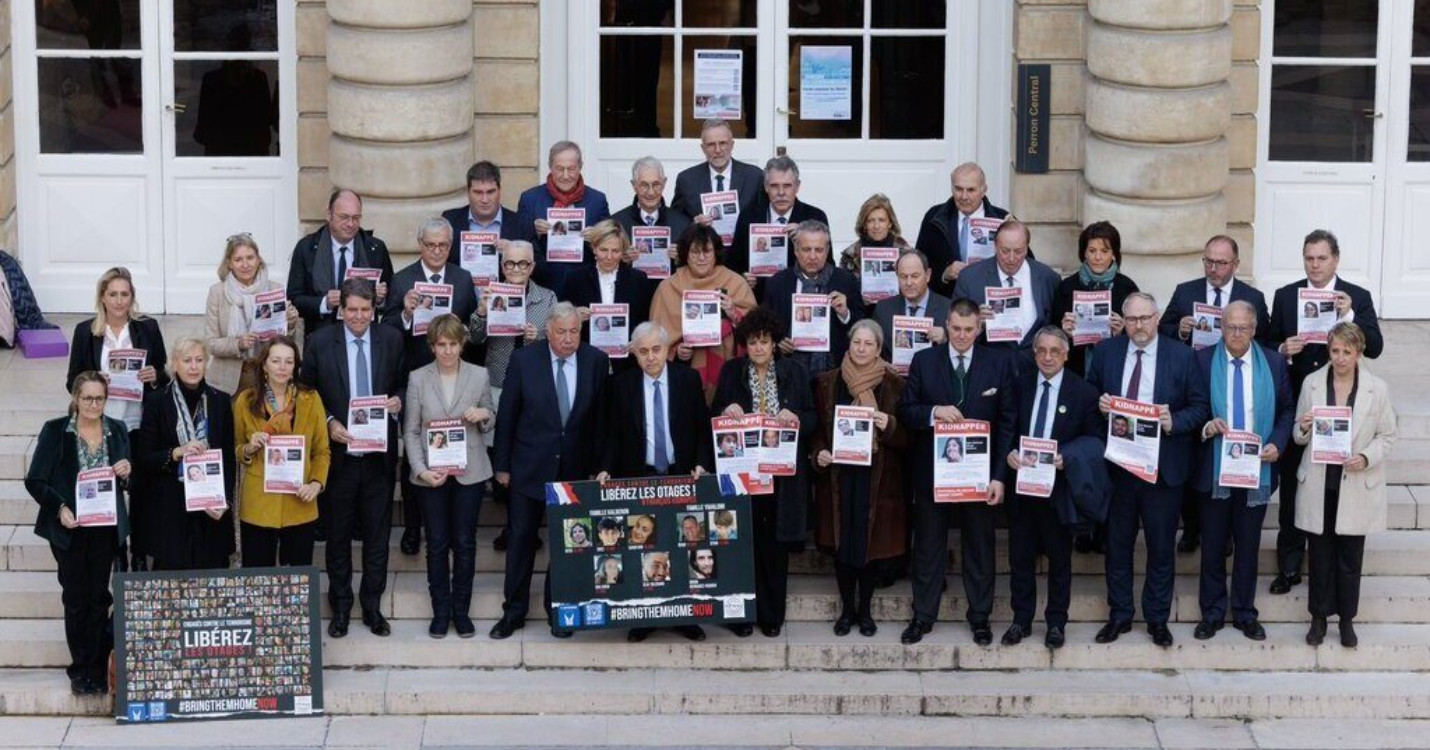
(277, 529)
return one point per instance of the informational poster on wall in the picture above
(219, 644)
(719, 76)
(653, 552)
(826, 83)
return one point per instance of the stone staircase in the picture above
(808, 670)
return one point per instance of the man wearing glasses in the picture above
(321, 261)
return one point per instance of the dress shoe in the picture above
(691, 632)
(1160, 634)
(1348, 634)
(439, 627)
(742, 629)
(1206, 630)
(338, 628)
(499, 544)
(464, 626)
(915, 632)
(770, 631)
(867, 626)
(843, 625)
(80, 686)
(377, 624)
(1055, 637)
(1283, 584)
(1111, 631)
(1251, 629)
(1015, 634)
(982, 633)
(1083, 544)
(411, 541)
(637, 635)
(1317, 634)
(505, 627)
(1189, 543)
(562, 634)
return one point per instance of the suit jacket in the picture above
(51, 477)
(1074, 416)
(623, 447)
(86, 350)
(1176, 384)
(1285, 310)
(989, 396)
(1362, 505)
(936, 308)
(746, 179)
(973, 282)
(325, 368)
(630, 217)
(543, 449)
(424, 403)
(464, 301)
(781, 287)
(633, 288)
(737, 256)
(511, 228)
(167, 524)
(938, 239)
(1189, 293)
(532, 206)
(311, 272)
(1285, 407)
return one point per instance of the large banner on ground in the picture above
(220, 644)
(653, 552)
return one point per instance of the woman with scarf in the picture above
(860, 511)
(565, 187)
(1099, 250)
(758, 383)
(876, 226)
(187, 417)
(277, 529)
(701, 256)
(228, 315)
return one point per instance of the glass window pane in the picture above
(906, 87)
(1318, 113)
(719, 14)
(86, 24)
(1419, 146)
(824, 53)
(744, 125)
(637, 87)
(629, 13)
(226, 25)
(826, 14)
(90, 106)
(1325, 28)
(1420, 34)
(230, 107)
(902, 14)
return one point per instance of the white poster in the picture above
(1240, 460)
(853, 435)
(203, 481)
(1315, 314)
(270, 314)
(123, 372)
(779, 448)
(564, 243)
(96, 498)
(911, 336)
(1134, 437)
(769, 249)
(447, 445)
(479, 257)
(826, 83)
(980, 238)
(1330, 434)
(877, 278)
(1206, 325)
(652, 246)
(433, 300)
(367, 425)
(719, 77)
(373, 275)
(1092, 317)
(700, 317)
(506, 310)
(1007, 321)
(810, 330)
(723, 208)
(611, 329)
(738, 451)
(1037, 471)
(962, 468)
(283, 464)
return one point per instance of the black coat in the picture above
(630, 217)
(746, 179)
(1284, 312)
(633, 288)
(778, 297)
(737, 256)
(623, 447)
(511, 229)
(325, 368)
(938, 239)
(464, 302)
(177, 538)
(1074, 416)
(51, 477)
(1063, 304)
(86, 350)
(311, 272)
(989, 396)
(1188, 293)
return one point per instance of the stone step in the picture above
(16, 506)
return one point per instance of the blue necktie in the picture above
(563, 394)
(1217, 300)
(657, 410)
(964, 239)
(364, 385)
(1238, 398)
(1043, 403)
(719, 183)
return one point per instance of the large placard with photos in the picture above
(220, 644)
(652, 552)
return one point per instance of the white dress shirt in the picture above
(128, 412)
(1225, 293)
(337, 259)
(1027, 306)
(647, 383)
(728, 174)
(953, 355)
(1057, 384)
(775, 216)
(1147, 385)
(1248, 415)
(1350, 315)
(427, 275)
(608, 286)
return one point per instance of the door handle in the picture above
(786, 111)
(1371, 114)
(177, 108)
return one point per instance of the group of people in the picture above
(544, 405)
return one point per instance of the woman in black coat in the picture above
(757, 383)
(628, 285)
(1099, 251)
(180, 539)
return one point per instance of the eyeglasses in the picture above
(520, 265)
(1213, 263)
(701, 250)
(1239, 330)
(1139, 320)
(92, 400)
(437, 245)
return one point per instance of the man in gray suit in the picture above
(1012, 268)
(914, 300)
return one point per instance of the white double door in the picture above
(148, 132)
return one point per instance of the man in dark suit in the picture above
(548, 430)
(719, 172)
(914, 300)
(779, 204)
(1152, 369)
(947, 384)
(564, 188)
(1249, 391)
(657, 424)
(484, 211)
(355, 360)
(1218, 287)
(1013, 268)
(814, 273)
(945, 234)
(1321, 256)
(1053, 404)
(648, 209)
(322, 259)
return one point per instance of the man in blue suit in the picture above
(1012, 268)
(1250, 390)
(814, 273)
(963, 380)
(914, 300)
(564, 188)
(484, 211)
(1152, 369)
(554, 394)
(1053, 404)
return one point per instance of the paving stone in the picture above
(1313, 734)
(396, 732)
(1191, 734)
(295, 732)
(23, 731)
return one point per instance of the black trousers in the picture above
(856, 589)
(1335, 574)
(976, 523)
(771, 563)
(1191, 512)
(1033, 525)
(1153, 508)
(264, 547)
(451, 515)
(1220, 518)
(523, 519)
(358, 499)
(84, 571)
(1290, 541)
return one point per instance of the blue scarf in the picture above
(1096, 282)
(1264, 399)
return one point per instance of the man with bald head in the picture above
(946, 234)
(719, 172)
(322, 259)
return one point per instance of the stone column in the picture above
(1158, 109)
(400, 107)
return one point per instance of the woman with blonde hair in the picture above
(228, 314)
(875, 226)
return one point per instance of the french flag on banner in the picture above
(734, 484)
(561, 493)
